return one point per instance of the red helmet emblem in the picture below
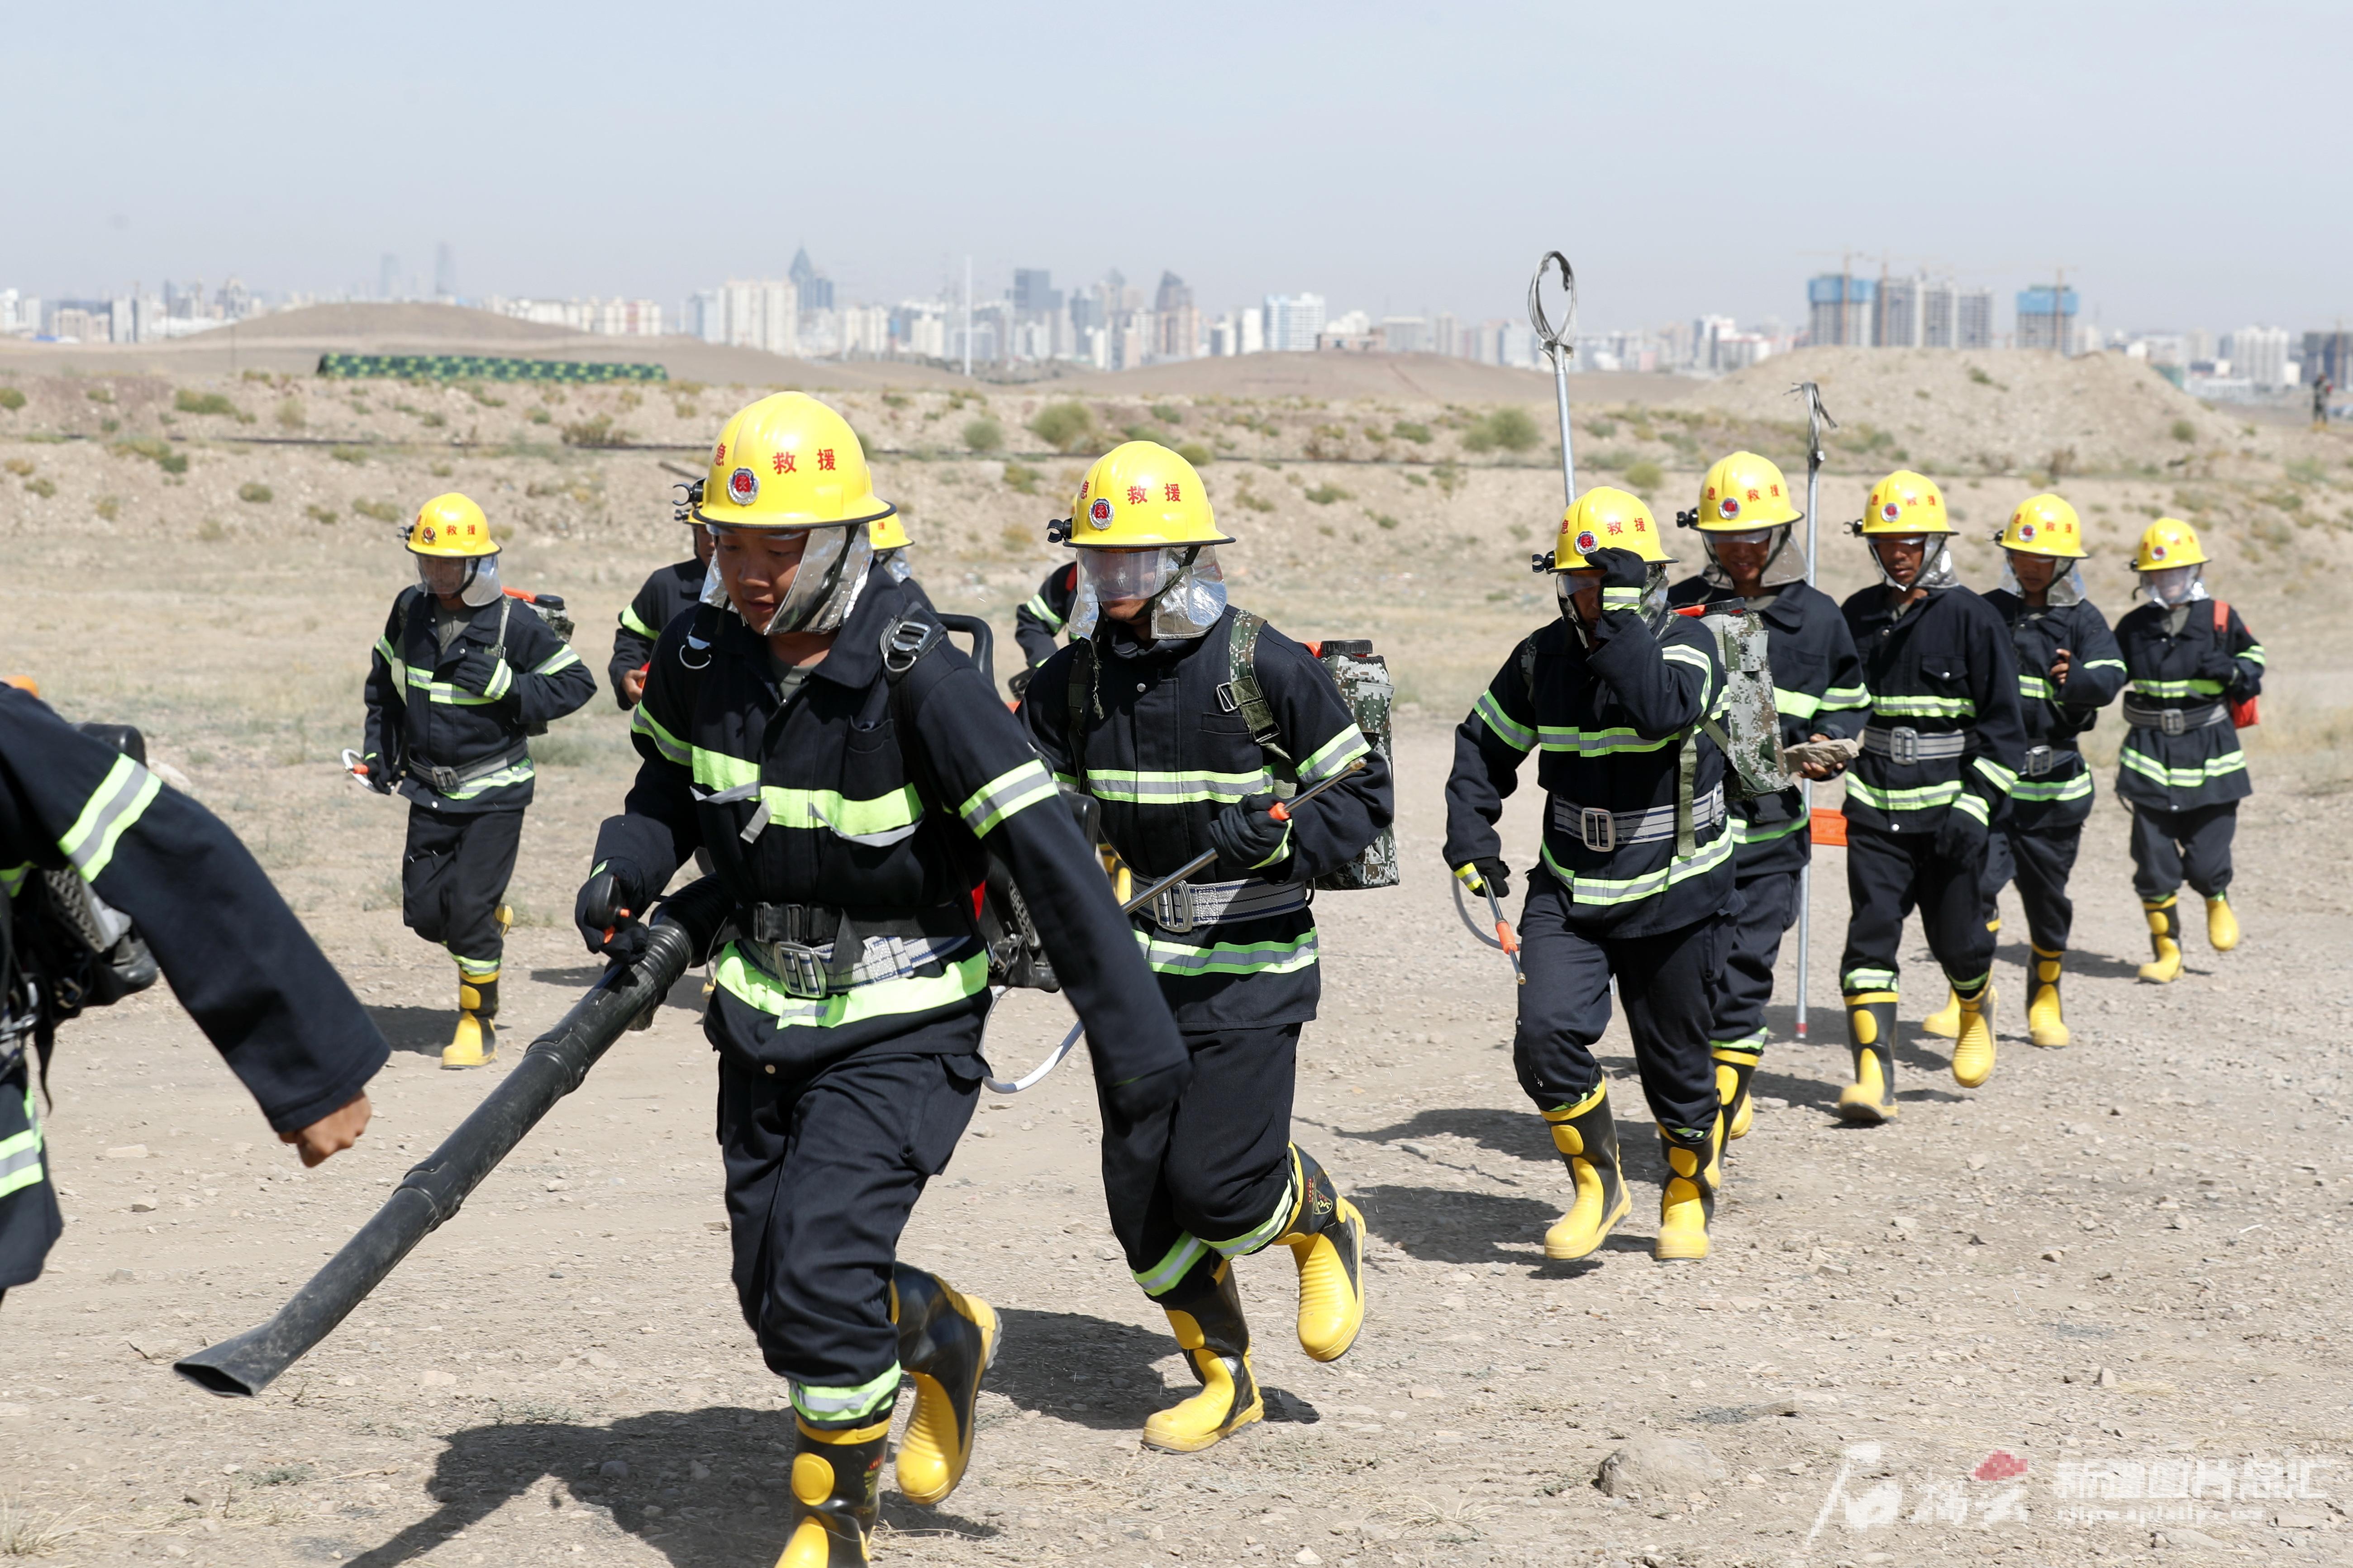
(2025, 531)
(1586, 543)
(1098, 513)
(743, 485)
(1728, 506)
(1891, 510)
(2157, 553)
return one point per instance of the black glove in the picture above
(483, 673)
(1488, 876)
(1620, 568)
(1139, 1098)
(2216, 664)
(1245, 835)
(610, 910)
(1019, 682)
(1963, 836)
(378, 777)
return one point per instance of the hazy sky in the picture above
(1398, 158)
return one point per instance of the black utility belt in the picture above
(2175, 721)
(450, 781)
(814, 951)
(2040, 761)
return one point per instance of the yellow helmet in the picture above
(1904, 502)
(888, 533)
(2169, 542)
(788, 461)
(451, 525)
(1137, 495)
(2044, 525)
(1604, 519)
(1744, 491)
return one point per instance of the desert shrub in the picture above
(1062, 426)
(348, 454)
(317, 514)
(1644, 475)
(211, 531)
(382, 510)
(2184, 431)
(598, 431)
(189, 401)
(11, 399)
(540, 416)
(1509, 428)
(1168, 414)
(43, 487)
(1024, 478)
(1601, 429)
(100, 394)
(983, 434)
(257, 493)
(155, 450)
(19, 467)
(289, 414)
(1406, 431)
(1193, 452)
(1383, 522)
(1325, 495)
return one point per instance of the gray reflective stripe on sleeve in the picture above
(1006, 794)
(1333, 755)
(1039, 608)
(1175, 789)
(562, 658)
(20, 1152)
(112, 808)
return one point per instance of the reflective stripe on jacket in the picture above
(2163, 651)
(666, 595)
(1943, 664)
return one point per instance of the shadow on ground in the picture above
(419, 1031)
(1441, 1226)
(724, 1521)
(1094, 1373)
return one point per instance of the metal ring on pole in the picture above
(1551, 338)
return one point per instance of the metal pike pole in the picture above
(1559, 343)
(431, 1194)
(1816, 418)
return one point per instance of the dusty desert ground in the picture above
(2108, 1282)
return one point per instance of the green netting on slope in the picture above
(480, 367)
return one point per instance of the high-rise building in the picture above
(1034, 293)
(2326, 357)
(1900, 323)
(1973, 319)
(388, 276)
(1294, 322)
(1839, 308)
(2046, 316)
(1178, 330)
(1404, 335)
(1253, 330)
(444, 272)
(1939, 313)
(813, 289)
(2260, 354)
(761, 314)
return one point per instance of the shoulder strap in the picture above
(1241, 692)
(2221, 618)
(1528, 665)
(1080, 701)
(403, 607)
(506, 608)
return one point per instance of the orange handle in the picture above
(1505, 935)
(1279, 812)
(611, 929)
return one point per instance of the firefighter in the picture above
(1185, 718)
(667, 595)
(461, 675)
(2190, 660)
(851, 775)
(1635, 875)
(1744, 521)
(1939, 755)
(1037, 623)
(2068, 668)
(94, 849)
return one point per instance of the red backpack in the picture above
(2247, 712)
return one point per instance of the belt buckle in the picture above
(2038, 761)
(1598, 829)
(1172, 912)
(1903, 744)
(443, 779)
(801, 969)
(2173, 722)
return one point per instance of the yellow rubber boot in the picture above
(1973, 1052)
(2221, 925)
(1945, 1021)
(1586, 1137)
(1869, 1099)
(835, 1479)
(476, 1044)
(947, 1341)
(1327, 1237)
(1736, 1064)
(1686, 1200)
(1205, 1311)
(2045, 1023)
(2164, 939)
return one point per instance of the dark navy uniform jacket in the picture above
(1610, 724)
(2060, 796)
(1943, 666)
(666, 595)
(1037, 624)
(2167, 654)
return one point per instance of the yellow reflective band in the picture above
(673, 749)
(1926, 797)
(742, 980)
(820, 1404)
(1609, 891)
(12, 881)
(1621, 598)
(2074, 788)
(515, 774)
(1266, 1230)
(1333, 755)
(1165, 956)
(631, 621)
(1038, 607)
(562, 658)
(119, 801)
(2213, 768)
(1502, 725)
(442, 691)
(1174, 789)
(2034, 688)
(2179, 688)
(2254, 654)
(1600, 743)
(2103, 664)
(1005, 796)
(20, 1155)
(1918, 707)
(1162, 1276)
(1994, 774)
(1281, 848)
(1971, 806)
(1796, 704)
(1760, 832)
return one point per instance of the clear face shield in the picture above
(1185, 585)
(471, 580)
(824, 588)
(1652, 607)
(2174, 585)
(2066, 585)
(1936, 565)
(1785, 561)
